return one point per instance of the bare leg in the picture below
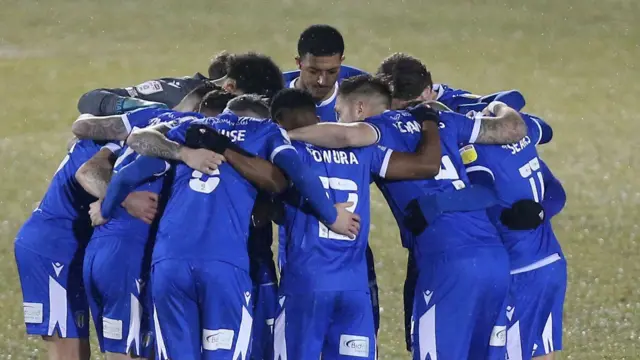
(67, 349)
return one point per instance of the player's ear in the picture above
(298, 62)
(230, 86)
(342, 58)
(360, 109)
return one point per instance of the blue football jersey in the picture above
(516, 172)
(398, 130)
(453, 98)
(144, 117)
(63, 212)
(317, 258)
(208, 216)
(122, 223)
(326, 109)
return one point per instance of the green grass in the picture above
(576, 61)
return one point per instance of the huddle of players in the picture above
(459, 205)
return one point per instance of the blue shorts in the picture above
(116, 274)
(54, 299)
(536, 299)
(458, 307)
(373, 289)
(336, 324)
(265, 308)
(204, 305)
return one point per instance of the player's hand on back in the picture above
(203, 160)
(142, 205)
(347, 223)
(95, 214)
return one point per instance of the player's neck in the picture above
(298, 85)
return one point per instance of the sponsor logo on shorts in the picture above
(149, 87)
(498, 336)
(351, 345)
(80, 319)
(111, 328)
(33, 313)
(219, 339)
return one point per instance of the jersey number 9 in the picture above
(207, 186)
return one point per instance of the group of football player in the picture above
(158, 222)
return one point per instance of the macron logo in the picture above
(510, 310)
(57, 267)
(427, 296)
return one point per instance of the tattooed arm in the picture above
(95, 174)
(101, 127)
(152, 142)
(506, 127)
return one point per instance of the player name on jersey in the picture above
(333, 156)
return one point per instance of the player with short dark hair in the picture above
(49, 249)
(254, 104)
(219, 259)
(529, 195)
(218, 66)
(412, 76)
(320, 69)
(324, 285)
(168, 92)
(251, 73)
(439, 246)
(116, 262)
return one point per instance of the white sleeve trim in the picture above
(113, 147)
(375, 129)
(385, 163)
(481, 168)
(279, 149)
(539, 130)
(476, 130)
(127, 124)
(167, 166)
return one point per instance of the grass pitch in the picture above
(576, 61)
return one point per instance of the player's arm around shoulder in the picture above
(506, 127)
(95, 174)
(337, 135)
(114, 127)
(152, 142)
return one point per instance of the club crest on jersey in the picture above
(468, 154)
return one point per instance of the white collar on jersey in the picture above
(292, 84)
(440, 89)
